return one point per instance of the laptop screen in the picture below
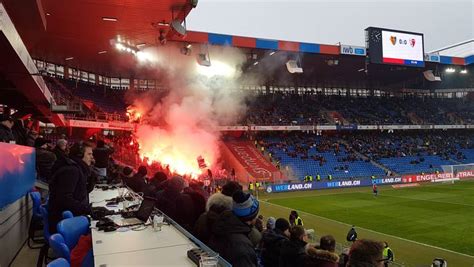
(146, 209)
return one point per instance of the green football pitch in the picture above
(419, 223)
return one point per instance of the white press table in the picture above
(167, 247)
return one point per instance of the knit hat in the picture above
(61, 142)
(282, 224)
(230, 188)
(176, 183)
(271, 223)
(245, 206)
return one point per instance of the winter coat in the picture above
(216, 204)
(272, 242)
(321, 257)
(68, 191)
(59, 153)
(101, 156)
(45, 160)
(230, 239)
(292, 253)
(6, 134)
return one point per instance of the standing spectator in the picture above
(44, 159)
(68, 185)
(101, 156)
(259, 223)
(216, 204)
(324, 255)
(61, 150)
(293, 251)
(366, 253)
(230, 232)
(272, 242)
(6, 124)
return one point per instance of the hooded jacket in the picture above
(216, 204)
(321, 257)
(272, 242)
(230, 239)
(292, 253)
(68, 190)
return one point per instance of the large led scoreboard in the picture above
(394, 47)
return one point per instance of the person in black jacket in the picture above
(272, 242)
(69, 185)
(138, 182)
(293, 252)
(6, 124)
(61, 150)
(101, 156)
(45, 159)
(230, 231)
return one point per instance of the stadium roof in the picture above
(462, 49)
(56, 30)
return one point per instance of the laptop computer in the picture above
(141, 215)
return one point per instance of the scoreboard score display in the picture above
(395, 47)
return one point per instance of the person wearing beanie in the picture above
(215, 205)
(293, 251)
(271, 223)
(272, 242)
(45, 159)
(230, 233)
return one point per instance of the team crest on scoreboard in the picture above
(393, 39)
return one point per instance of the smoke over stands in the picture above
(179, 123)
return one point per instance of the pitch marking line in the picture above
(392, 236)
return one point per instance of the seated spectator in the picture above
(293, 251)
(44, 159)
(323, 255)
(138, 182)
(68, 185)
(230, 232)
(126, 174)
(366, 253)
(158, 180)
(272, 242)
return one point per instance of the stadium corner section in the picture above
(249, 163)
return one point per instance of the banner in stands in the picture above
(350, 127)
(114, 125)
(367, 127)
(232, 128)
(251, 159)
(17, 172)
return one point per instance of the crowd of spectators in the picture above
(293, 109)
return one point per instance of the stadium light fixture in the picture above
(450, 70)
(102, 52)
(69, 58)
(464, 71)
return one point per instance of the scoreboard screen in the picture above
(395, 47)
